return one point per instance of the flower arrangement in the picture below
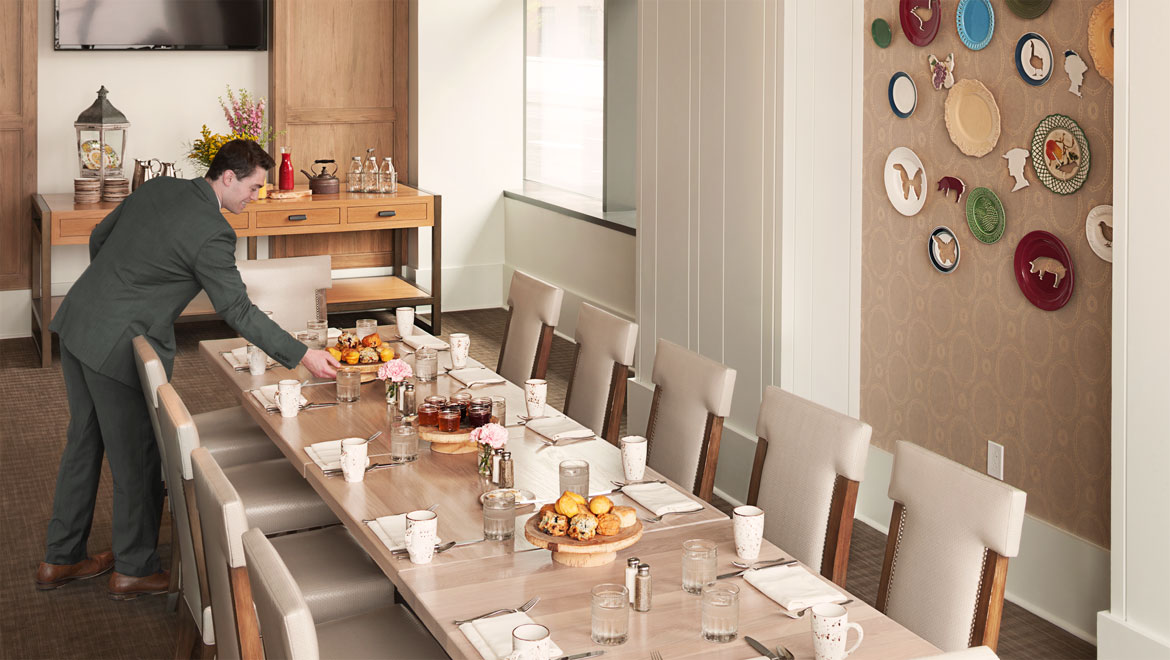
(394, 372)
(202, 151)
(246, 121)
(489, 437)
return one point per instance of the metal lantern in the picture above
(101, 139)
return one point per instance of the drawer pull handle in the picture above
(298, 217)
(386, 214)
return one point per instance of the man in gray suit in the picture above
(148, 258)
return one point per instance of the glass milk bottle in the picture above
(388, 177)
(353, 181)
(370, 173)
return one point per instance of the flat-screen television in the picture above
(161, 25)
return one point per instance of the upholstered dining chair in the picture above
(292, 288)
(534, 308)
(289, 631)
(809, 462)
(951, 534)
(692, 396)
(601, 365)
(277, 499)
(338, 579)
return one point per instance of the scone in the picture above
(608, 524)
(553, 523)
(626, 514)
(583, 527)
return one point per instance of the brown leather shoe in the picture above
(128, 587)
(55, 576)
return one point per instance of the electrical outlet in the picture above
(995, 459)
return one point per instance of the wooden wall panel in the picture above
(18, 137)
(10, 59)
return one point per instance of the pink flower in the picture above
(492, 435)
(395, 370)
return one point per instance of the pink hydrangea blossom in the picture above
(395, 370)
(492, 435)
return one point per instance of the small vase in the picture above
(392, 393)
(485, 461)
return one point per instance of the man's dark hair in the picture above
(241, 157)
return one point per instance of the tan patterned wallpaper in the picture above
(952, 361)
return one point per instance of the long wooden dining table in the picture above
(469, 580)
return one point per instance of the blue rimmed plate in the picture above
(903, 94)
(1034, 59)
(975, 20)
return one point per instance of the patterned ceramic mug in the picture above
(634, 457)
(422, 528)
(749, 531)
(830, 625)
(535, 395)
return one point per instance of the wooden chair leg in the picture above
(207, 652)
(176, 570)
(188, 636)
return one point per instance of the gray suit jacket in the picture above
(148, 258)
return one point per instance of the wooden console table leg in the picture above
(437, 268)
(252, 243)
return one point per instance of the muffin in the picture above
(553, 523)
(582, 527)
(608, 524)
(600, 504)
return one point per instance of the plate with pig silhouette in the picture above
(943, 249)
(905, 178)
(1099, 231)
(1044, 270)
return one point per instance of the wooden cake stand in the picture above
(597, 551)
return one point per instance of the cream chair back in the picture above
(597, 388)
(535, 309)
(951, 533)
(151, 374)
(973, 653)
(293, 288)
(692, 396)
(809, 462)
(286, 624)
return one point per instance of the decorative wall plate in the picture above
(920, 20)
(942, 72)
(1034, 59)
(1101, 39)
(1099, 231)
(1060, 154)
(1028, 8)
(972, 117)
(975, 20)
(903, 94)
(985, 215)
(906, 181)
(943, 249)
(1044, 270)
(880, 30)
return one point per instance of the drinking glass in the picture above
(479, 414)
(610, 624)
(322, 330)
(404, 318)
(463, 400)
(349, 384)
(403, 442)
(575, 476)
(720, 612)
(449, 419)
(428, 415)
(499, 516)
(308, 338)
(426, 364)
(363, 327)
(500, 409)
(437, 400)
(257, 360)
(698, 565)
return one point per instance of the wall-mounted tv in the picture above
(161, 25)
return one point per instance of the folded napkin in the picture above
(793, 587)
(475, 375)
(267, 397)
(417, 341)
(327, 454)
(391, 530)
(238, 358)
(661, 498)
(333, 333)
(559, 428)
(492, 637)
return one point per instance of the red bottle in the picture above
(286, 169)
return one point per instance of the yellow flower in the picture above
(203, 149)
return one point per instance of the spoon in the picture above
(757, 564)
(799, 613)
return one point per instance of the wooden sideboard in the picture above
(56, 220)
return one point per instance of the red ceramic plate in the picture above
(1044, 270)
(920, 32)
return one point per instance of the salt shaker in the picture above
(496, 455)
(507, 473)
(642, 591)
(631, 571)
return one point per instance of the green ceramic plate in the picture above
(1028, 8)
(881, 32)
(985, 215)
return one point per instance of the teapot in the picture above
(144, 171)
(324, 183)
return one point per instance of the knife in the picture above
(741, 572)
(579, 656)
(760, 648)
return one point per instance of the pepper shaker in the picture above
(406, 400)
(642, 589)
(506, 470)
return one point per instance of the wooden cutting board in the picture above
(290, 194)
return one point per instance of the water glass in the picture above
(322, 330)
(308, 338)
(499, 515)
(575, 476)
(404, 318)
(349, 384)
(698, 565)
(403, 442)
(257, 360)
(500, 410)
(720, 612)
(426, 364)
(610, 624)
(365, 327)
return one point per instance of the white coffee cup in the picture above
(422, 529)
(288, 397)
(535, 395)
(634, 457)
(830, 625)
(530, 641)
(257, 360)
(354, 458)
(460, 346)
(749, 531)
(405, 318)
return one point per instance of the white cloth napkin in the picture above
(238, 358)
(661, 498)
(793, 587)
(333, 333)
(559, 428)
(267, 397)
(391, 530)
(476, 375)
(417, 341)
(327, 454)
(492, 637)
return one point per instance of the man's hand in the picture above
(320, 363)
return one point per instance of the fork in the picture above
(669, 513)
(799, 613)
(553, 441)
(523, 608)
(655, 655)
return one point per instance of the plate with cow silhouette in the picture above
(1044, 270)
(1099, 231)
(1034, 59)
(905, 178)
(943, 249)
(1060, 154)
(920, 20)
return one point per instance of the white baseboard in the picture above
(1122, 640)
(15, 313)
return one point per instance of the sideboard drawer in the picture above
(391, 212)
(78, 226)
(269, 219)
